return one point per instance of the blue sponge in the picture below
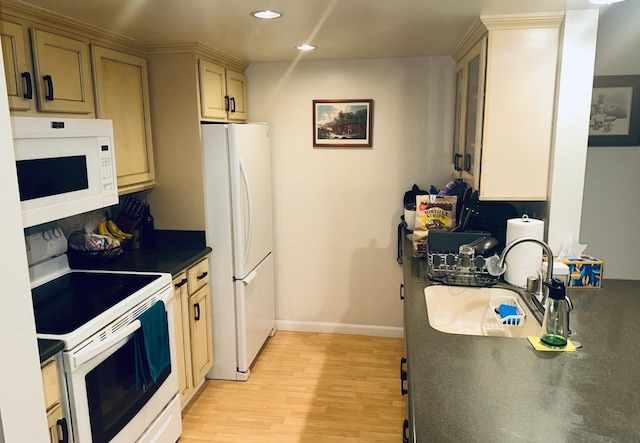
(507, 310)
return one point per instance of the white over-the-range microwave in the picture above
(65, 166)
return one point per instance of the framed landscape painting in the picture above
(615, 111)
(342, 123)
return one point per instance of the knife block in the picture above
(126, 224)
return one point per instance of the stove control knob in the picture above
(57, 233)
(47, 235)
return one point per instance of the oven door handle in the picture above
(90, 351)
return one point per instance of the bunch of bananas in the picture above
(110, 229)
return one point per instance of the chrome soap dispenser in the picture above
(555, 325)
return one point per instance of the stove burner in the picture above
(68, 302)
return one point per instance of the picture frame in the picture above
(343, 123)
(615, 111)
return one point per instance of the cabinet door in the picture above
(18, 77)
(201, 334)
(458, 122)
(213, 100)
(474, 105)
(63, 72)
(237, 93)
(183, 340)
(55, 424)
(122, 95)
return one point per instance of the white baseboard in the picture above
(339, 328)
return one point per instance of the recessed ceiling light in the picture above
(305, 47)
(604, 2)
(266, 14)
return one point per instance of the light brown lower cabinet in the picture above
(58, 427)
(192, 324)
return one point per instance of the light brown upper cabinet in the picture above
(504, 105)
(18, 75)
(63, 73)
(122, 95)
(222, 93)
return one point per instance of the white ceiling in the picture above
(341, 29)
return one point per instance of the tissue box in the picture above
(584, 272)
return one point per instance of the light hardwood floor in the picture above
(306, 387)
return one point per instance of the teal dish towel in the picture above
(151, 343)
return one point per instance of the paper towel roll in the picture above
(525, 259)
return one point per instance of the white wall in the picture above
(336, 211)
(611, 209)
(21, 398)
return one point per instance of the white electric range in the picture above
(95, 314)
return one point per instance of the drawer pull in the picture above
(403, 376)
(401, 291)
(196, 307)
(62, 423)
(181, 283)
(27, 80)
(405, 428)
(49, 81)
(203, 275)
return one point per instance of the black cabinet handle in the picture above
(401, 291)
(233, 104)
(196, 307)
(62, 423)
(226, 103)
(29, 90)
(203, 275)
(181, 283)
(467, 162)
(49, 81)
(403, 376)
(456, 165)
(405, 428)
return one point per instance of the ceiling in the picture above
(341, 29)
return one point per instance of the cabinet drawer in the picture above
(198, 275)
(50, 384)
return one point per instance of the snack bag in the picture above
(431, 213)
(438, 213)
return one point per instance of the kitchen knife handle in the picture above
(456, 165)
(49, 81)
(196, 307)
(226, 103)
(181, 283)
(27, 80)
(233, 104)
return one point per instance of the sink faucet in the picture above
(497, 267)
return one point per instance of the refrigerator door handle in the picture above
(249, 278)
(247, 241)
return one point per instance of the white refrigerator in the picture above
(239, 229)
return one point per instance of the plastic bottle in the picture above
(554, 325)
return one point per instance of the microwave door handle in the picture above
(84, 356)
(247, 242)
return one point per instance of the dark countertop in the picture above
(169, 259)
(159, 259)
(49, 348)
(492, 389)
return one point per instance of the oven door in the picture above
(104, 403)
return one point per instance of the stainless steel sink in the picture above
(467, 311)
